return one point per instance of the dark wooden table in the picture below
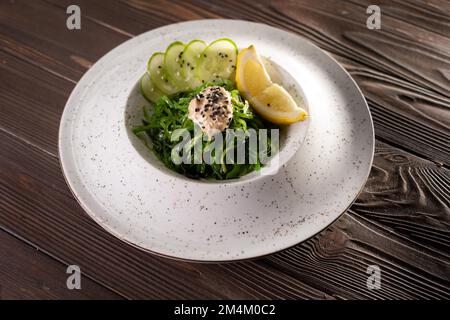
(401, 221)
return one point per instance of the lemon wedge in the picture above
(269, 99)
(251, 76)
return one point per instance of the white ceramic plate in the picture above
(124, 188)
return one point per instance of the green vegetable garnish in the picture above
(171, 112)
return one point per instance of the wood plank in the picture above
(134, 17)
(413, 200)
(37, 33)
(433, 16)
(32, 101)
(400, 222)
(36, 204)
(57, 224)
(339, 262)
(27, 273)
(405, 114)
(421, 115)
(399, 49)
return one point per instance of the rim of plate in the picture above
(70, 179)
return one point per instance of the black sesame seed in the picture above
(192, 68)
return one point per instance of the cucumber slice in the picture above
(173, 62)
(218, 61)
(158, 75)
(148, 89)
(191, 56)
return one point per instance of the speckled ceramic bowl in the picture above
(133, 196)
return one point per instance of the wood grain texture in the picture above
(400, 221)
(406, 114)
(57, 224)
(419, 110)
(26, 273)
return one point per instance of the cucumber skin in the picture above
(202, 57)
(193, 81)
(172, 89)
(179, 84)
(150, 97)
(172, 86)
